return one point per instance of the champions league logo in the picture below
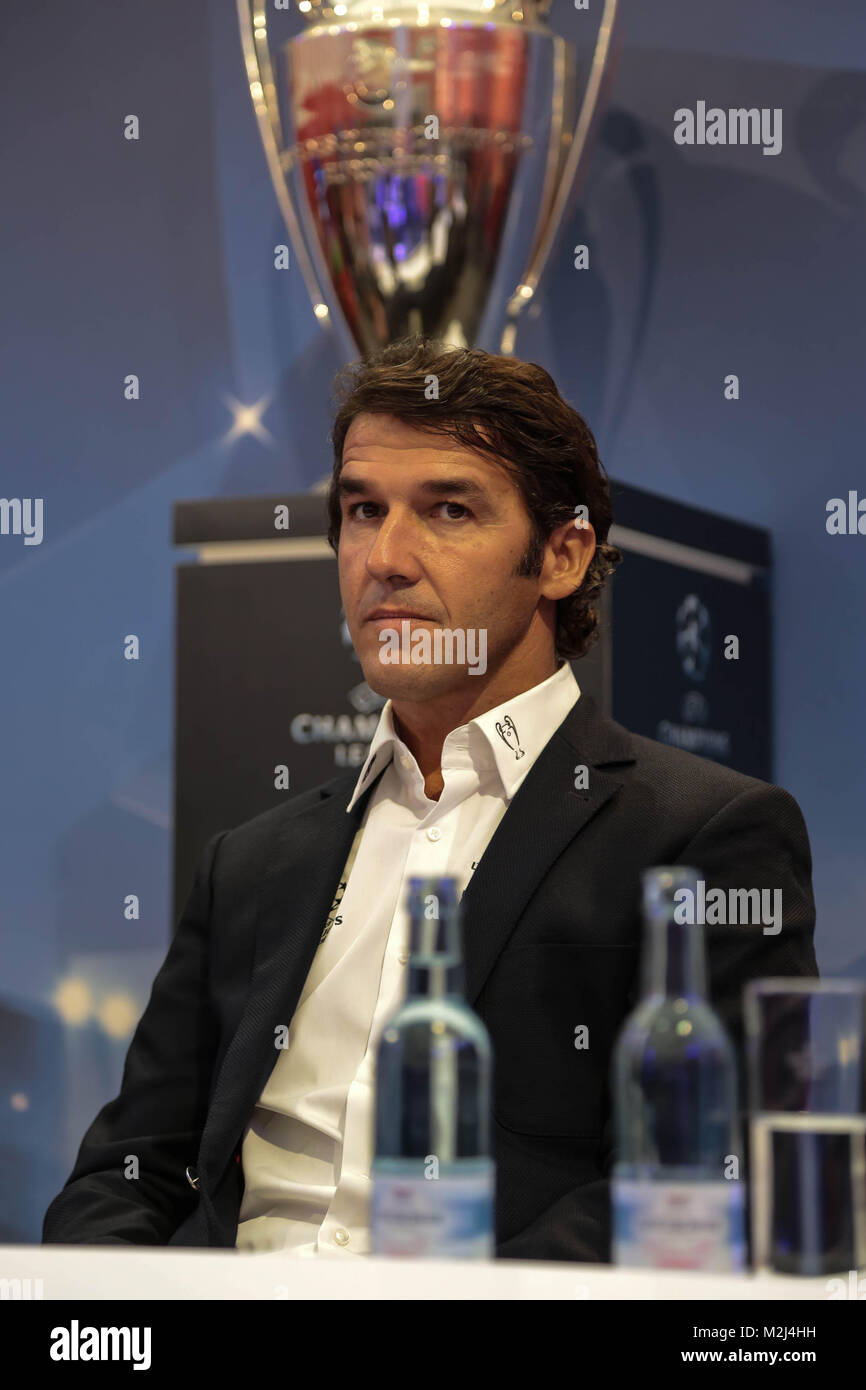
(349, 734)
(693, 637)
(507, 731)
(693, 647)
(695, 708)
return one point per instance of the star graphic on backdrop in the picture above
(248, 419)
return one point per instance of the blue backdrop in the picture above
(155, 257)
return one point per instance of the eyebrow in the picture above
(434, 487)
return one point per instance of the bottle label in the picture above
(678, 1225)
(449, 1217)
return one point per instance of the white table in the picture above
(144, 1272)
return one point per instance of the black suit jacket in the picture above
(552, 941)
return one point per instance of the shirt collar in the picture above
(514, 732)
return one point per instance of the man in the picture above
(467, 498)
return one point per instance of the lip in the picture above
(383, 616)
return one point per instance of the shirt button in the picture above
(341, 1237)
(434, 833)
(403, 957)
(407, 762)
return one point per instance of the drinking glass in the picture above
(805, 1046)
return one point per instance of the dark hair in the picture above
(512, 411)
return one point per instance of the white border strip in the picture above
(236, 552)
(317, 548)
(687, 555)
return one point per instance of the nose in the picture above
(393, 547)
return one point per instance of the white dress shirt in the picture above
(308, 1147)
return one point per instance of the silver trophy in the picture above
(422, 156)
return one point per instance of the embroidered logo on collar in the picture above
(507, 731)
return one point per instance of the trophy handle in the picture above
(551, 220)
(264, 97)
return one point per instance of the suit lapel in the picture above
(545, 814)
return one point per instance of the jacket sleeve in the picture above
(129, 1182)
(757, 840)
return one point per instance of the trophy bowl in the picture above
(422, 156)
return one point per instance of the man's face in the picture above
(430, 528)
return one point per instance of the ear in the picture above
(567, 557)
